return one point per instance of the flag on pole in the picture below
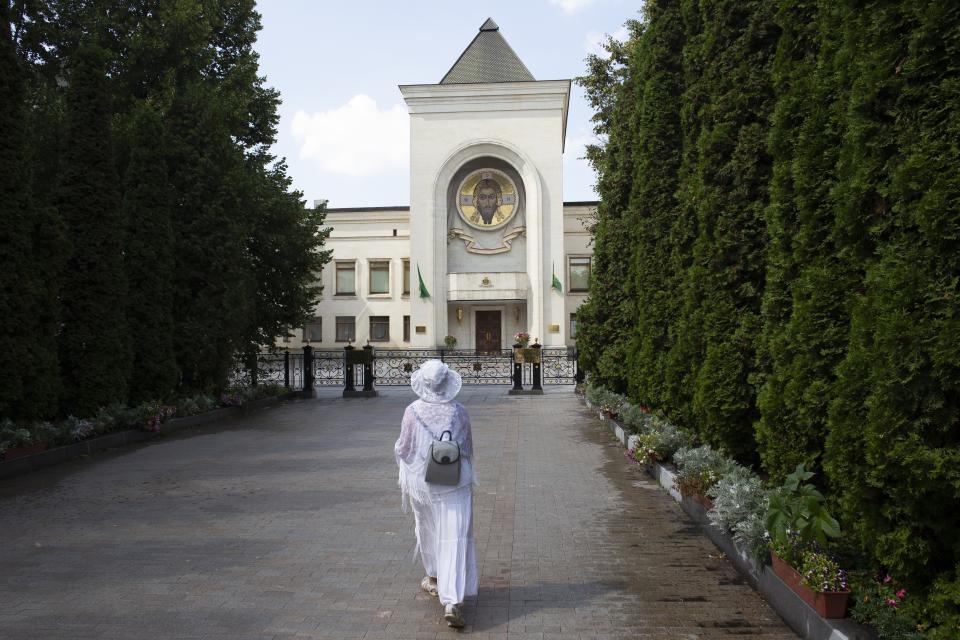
(556, 281)
(423, 288)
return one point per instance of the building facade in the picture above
(487, 246)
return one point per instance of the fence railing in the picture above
(393, 367)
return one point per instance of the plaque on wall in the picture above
(488, 203)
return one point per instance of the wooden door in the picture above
(488, 332)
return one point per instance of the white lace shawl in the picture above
(423, 422)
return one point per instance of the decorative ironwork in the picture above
(328, 369)
(393, 367)
(271, 368)
(558, 365)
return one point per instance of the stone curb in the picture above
(800, 616)
(19, 466)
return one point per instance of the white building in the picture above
(487, 246)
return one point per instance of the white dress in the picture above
(443, 514)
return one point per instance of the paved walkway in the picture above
(286, 524)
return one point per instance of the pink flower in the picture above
(891, 602)
(887, 579)
(901, 593)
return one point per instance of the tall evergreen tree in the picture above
(809, 283)
(284, 244)
(653, 199)
(222, 119)
(893, 453)
(685, 343)
(17, 285)
(149, 259)
(607, 316)
(94, 344)
(728, 255)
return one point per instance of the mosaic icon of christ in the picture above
(487, 198)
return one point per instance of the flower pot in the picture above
(829, 604)
(789, 575)
(24, 450)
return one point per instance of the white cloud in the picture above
(356, 139)
(595, 40)
(572, 6)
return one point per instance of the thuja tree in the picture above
(149, 258)
(18, 295)
(94, 342)
(808, 281)
(247, 252)
(607, 317)
(684, 337)
(657, 66)
(893, 455)
(739, 40)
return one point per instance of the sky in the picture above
(344, 128)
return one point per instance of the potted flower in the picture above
(824, 583)
(450, 341)
(799, 525)
(521, 339)
(698, 469)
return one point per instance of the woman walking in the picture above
(443, 513)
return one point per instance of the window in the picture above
(379, 328)
(346, 278)
(406, 277)
(313, 330)
(573, 325)
(379, 276)
(579, 274)
(346, 329)
(406, 328)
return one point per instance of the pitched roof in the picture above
(488, 58)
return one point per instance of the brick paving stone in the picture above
(285, 524)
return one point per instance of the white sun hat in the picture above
(435, 382)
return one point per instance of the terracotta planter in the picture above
(829, 604)
(24, 450)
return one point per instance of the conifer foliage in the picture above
(149, 254)
(17, 286)
(792, 226)
(149, 236)
(94, 343)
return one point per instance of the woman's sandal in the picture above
(429, 585)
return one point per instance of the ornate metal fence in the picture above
(558, 365)
(393, 367)
(328, 368)
(284, 368)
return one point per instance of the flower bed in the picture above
(115, 426)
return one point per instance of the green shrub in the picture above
(798, 507)
(881, 603)
(699, 468)
(661, 442)
(740, 503)
(635, 419)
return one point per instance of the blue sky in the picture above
(343, 123)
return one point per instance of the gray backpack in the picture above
(443, 463)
